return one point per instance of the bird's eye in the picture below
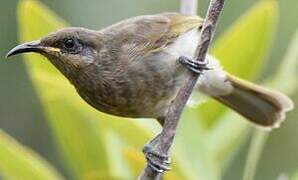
(69, 43)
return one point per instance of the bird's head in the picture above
(69, 49)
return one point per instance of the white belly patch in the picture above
(212, 82)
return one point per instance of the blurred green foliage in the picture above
(94, 145)
(18, 162)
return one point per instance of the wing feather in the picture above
(147, 34)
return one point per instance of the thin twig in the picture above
(171, 121)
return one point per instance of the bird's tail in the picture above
(259, 105)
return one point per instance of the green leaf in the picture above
(135, 160)
(19, 162)
(196, 162)
(288, 70)
(128, 129)
(226, 137)
(295, 176)
(242, 49)
(256, 147)
(285, 79)
(116, 146)
(224, 144)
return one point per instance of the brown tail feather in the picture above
(259, 105)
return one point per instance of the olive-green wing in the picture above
(142, 35)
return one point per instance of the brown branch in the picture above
(169, 129)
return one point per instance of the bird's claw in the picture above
(193, 65)
(157, 162)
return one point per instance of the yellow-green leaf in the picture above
(19, 162)
(295, 176)
(242, 49)
(196, 162)
(222, 143)
(116, 145)
(226, 137)
(285, 79)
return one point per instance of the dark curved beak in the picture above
(33, 46)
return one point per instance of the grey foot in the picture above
(193, 65)
(157, 162)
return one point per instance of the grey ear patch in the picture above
(88, 56)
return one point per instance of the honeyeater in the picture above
(134, 68)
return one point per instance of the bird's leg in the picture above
(157, 162)
(193, 65)
(160, 162)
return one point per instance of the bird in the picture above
(135, 68)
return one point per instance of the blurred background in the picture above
(21, 114)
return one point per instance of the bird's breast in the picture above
(143, 87)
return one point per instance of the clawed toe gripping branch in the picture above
(157, 155)
(193, 65)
